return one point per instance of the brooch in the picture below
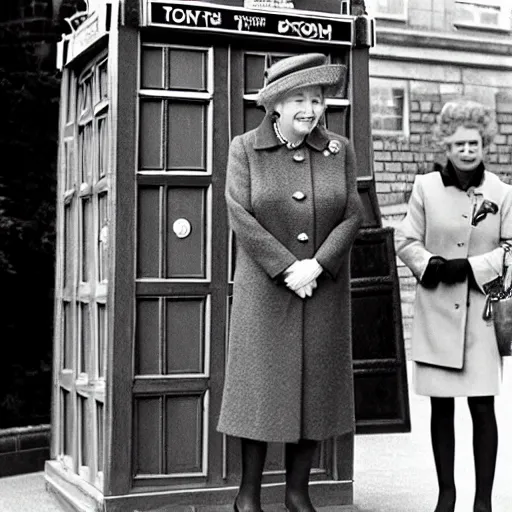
(485, 207)
(333, 147)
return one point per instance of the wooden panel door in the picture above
(181, 264)
(380, 378)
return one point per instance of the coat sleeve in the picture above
(410, 234)
(338, 243)
(488, 266)
(261, 245)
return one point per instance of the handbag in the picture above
(498, 305)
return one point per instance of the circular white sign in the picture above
(181, 228)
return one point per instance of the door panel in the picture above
(147, 432)
(184, 442)
(187, 137)
(148, 358)
(149, 216)
(186, 253)
(185, 342)
(151, 134)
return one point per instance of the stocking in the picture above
(485, 448)
(299, 458)
(442, 431)
(253, 461)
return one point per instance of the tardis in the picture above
(153, 91)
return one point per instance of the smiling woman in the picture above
(298, 113)
(465, 148)
(295, 211)
(451, 239)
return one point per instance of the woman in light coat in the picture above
(294, 209)
(457, 218)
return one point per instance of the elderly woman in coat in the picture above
(294, 208)
(450, 238)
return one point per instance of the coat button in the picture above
(299, 156)
(302, 237)
(460, 244)
(457, 306)
(299, 196)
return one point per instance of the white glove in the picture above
(307, 290)
(301, 273)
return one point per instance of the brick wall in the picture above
(397, 161)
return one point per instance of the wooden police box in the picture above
(152, 93)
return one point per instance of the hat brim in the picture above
(331, 77)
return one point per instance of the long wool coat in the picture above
(289, 370)
(454, 348)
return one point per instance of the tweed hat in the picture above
(300, 71)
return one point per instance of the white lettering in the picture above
(309, 30)
(167, 13)
(178, 15)
(248, 22)
(325, 33)
(303, 29)
(216, 19)
(206, 17)
(192, 17)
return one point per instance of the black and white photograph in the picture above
(256, 255)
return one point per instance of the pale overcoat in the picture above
(289, 369)
(448, 329)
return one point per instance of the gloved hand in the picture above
(432, 275)
(307, 290)
(455, 271)
(302, 273)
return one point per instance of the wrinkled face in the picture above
(300, 111)
(465, 149)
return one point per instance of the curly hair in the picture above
(466, 113)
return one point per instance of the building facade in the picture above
(428, 52)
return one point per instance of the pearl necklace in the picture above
(284, 140)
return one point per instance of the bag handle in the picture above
(507, 271)
(506, 275)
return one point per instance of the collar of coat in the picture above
(450, 178)
(266, 137)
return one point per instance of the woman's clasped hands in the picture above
(301, 276)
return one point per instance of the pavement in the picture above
(393, 473)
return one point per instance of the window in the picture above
(391, 9)
(389, 107)
(489, 14)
